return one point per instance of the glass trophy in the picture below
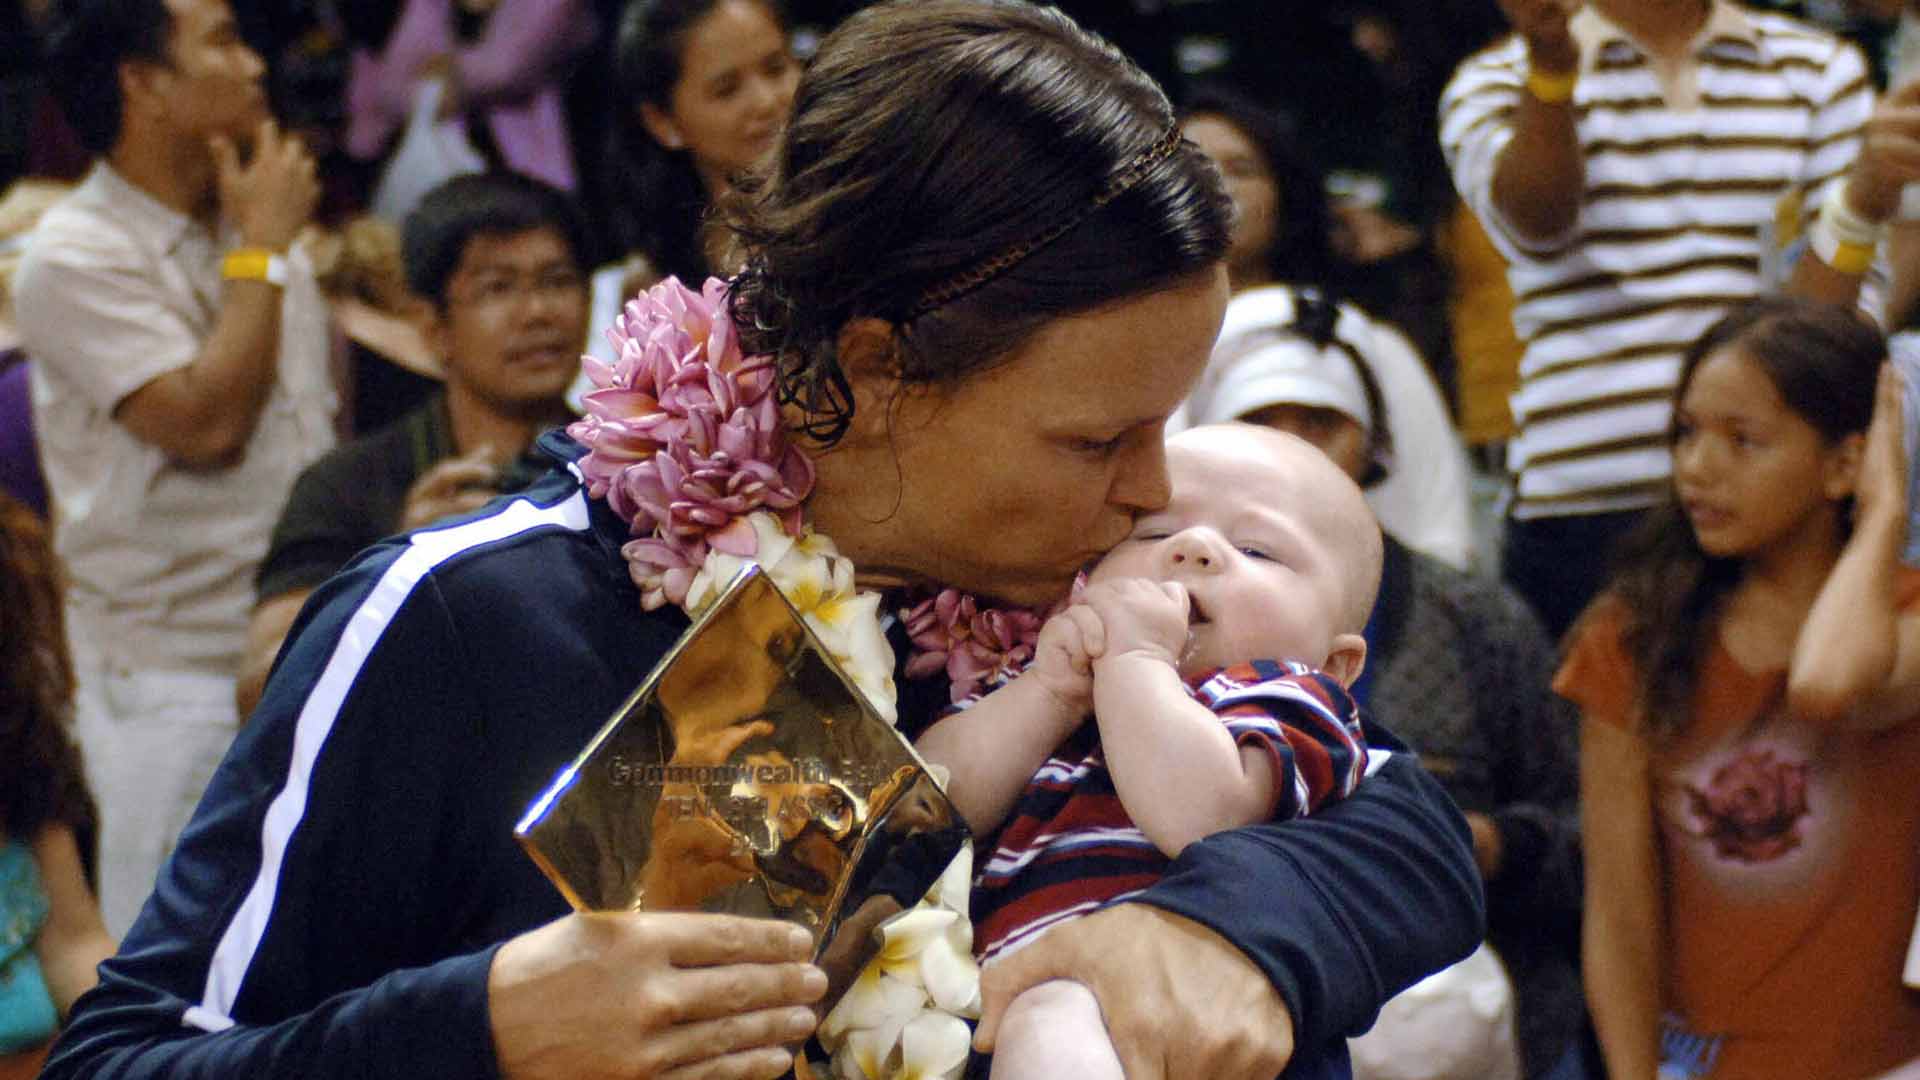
(748, 776)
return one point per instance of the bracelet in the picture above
(1550, 89)
(1842, 238)
(254, 264)
(1846, 258)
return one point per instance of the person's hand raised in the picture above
(1881, 487)
(1178, 999)
(1889, 157)
(271, 197)
(648, 995)
(457, 485)
(1543, 23)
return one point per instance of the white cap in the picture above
(1284, 369)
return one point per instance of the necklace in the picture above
(685, 442)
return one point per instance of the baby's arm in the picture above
(1052, 1030)
(994, 747)
(1180, 771)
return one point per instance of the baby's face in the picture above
(1260, 532)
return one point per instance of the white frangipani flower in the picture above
(955, 888)
(849, 627)
(901, 1020)
(865, 1026)
(819, 584)
(934, 1046)
(717, 572)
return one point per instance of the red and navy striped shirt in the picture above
(1069, 846)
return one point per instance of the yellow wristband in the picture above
(254, 264)
(1851, 258)
(1552, 89)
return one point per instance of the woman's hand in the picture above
(1179, 1000)
(641, 995)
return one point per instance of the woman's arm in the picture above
(73, 941)
(1857, 660)
(328, 910)
(223, 977)
(1624, 920)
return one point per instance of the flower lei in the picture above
(684, 440)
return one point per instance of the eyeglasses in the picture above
(499, 288)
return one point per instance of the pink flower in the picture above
(975, 648)
(663, 571)
(684, 436)
(1752, 808)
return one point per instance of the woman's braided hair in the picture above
(967, 171)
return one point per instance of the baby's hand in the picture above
(1063, 658)
(1142, 616)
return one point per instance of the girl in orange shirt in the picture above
(1748, 760)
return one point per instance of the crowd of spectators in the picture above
(1489, 255)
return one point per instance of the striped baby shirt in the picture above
(1699, 178)
(1070, 847)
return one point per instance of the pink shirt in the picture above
(513, 78)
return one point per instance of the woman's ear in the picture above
(868, 351)
(1346, 659)
(1843, 466)
(660, 124)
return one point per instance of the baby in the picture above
(1213, 649)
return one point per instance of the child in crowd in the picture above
(1213, 649)
(1749, 689)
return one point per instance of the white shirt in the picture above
(1700, 175)
(117, 289)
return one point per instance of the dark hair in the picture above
(948, 141)
(1302, 248)
(41, 782)
(1824, 361)
(660, 201)
(447, 219)
(85, 43)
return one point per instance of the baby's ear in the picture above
(1346, 659)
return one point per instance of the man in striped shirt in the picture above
(1644, 165)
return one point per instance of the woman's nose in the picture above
(1141, 485)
